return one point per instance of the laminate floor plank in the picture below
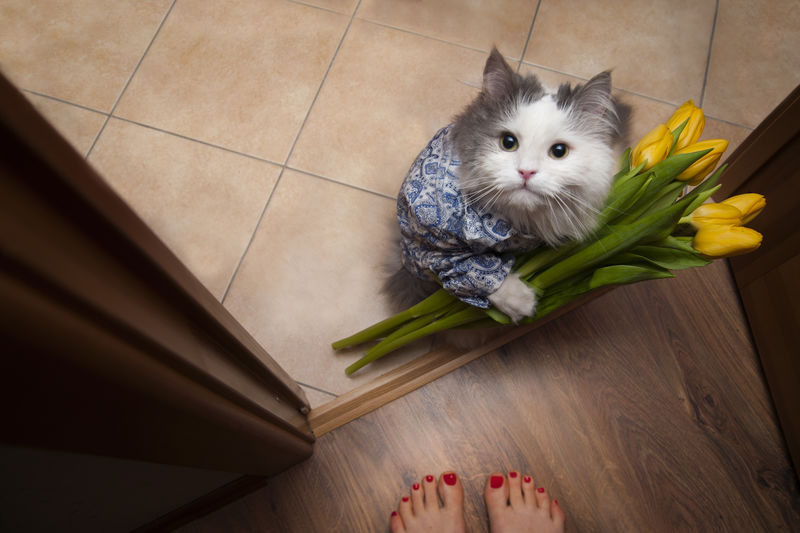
(644, 410)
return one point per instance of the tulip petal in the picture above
(716, 215)
(750, 204)
(721, 241)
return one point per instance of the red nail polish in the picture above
(415, 486)
(527, 479)
(512, 475)
(540, 489)
(496, 482)
(429, 478)
(394, 513)
(405, 498)
(555, 502)
(450, 479)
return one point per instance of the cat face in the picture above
(544, 162)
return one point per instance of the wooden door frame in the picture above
(110, 345)
(768, 162)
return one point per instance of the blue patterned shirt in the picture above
(447, 240)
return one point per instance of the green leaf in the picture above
(703, 192)
(560, 295)
(621, 179)
(679, 243)
(628, 258)
(624, 163)
(670, 258)
(652, 227)
(623, 274)
(532, 263)
(663, 173)
(619, 201)
(699, 199)
(676, 134)
(709, 182)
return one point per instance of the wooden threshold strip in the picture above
(414, 374)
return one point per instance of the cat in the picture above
(519, 167)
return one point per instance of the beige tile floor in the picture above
(264, 140)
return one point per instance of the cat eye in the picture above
(559, 151)
(508, 142)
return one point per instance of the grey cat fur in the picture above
(591, 107)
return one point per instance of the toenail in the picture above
(405, 498)
(496, 482)
(512, 475)
(555, 502)
(415, 486)
(527, 479)
(450, 479)
(429, 478)
(394, 513)
(540, 489)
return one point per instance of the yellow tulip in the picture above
(694, 127)
(726, 241)
(750, 205)
(703, 166)
(653, 148)
(716, 215)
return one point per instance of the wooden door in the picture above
(768, 162)
(110, 345)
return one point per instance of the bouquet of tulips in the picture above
(650, 225)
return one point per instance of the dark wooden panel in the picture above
(110, 346)
(769, 282)
(644, 410)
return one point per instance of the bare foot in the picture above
(515, 505)
(420, 511)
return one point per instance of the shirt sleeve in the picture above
(469, 277)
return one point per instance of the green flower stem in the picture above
(465, 316)
(676, 134)
(663, 174)
(422, 321)
(653, 225)
(434, 302)
(668, 195)
(641, 210)
(543, 259)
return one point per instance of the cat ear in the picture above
(497, 76)
(593, 103)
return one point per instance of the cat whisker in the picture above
(574, 221)
(578, 200)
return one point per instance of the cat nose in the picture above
(526, 174)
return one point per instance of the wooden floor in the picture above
(645, 410)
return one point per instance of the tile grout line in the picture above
(130, 78)
(708, 57)
(634, 93)
(422, 35)
(66, 102)
(214, 146)
(321, 8)
(289, 155)
(322, 83)
(530, 34)
(199, 141)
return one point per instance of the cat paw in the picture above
(514, 298)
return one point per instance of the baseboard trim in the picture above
(414, 374)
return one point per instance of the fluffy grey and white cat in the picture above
(519, 167)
